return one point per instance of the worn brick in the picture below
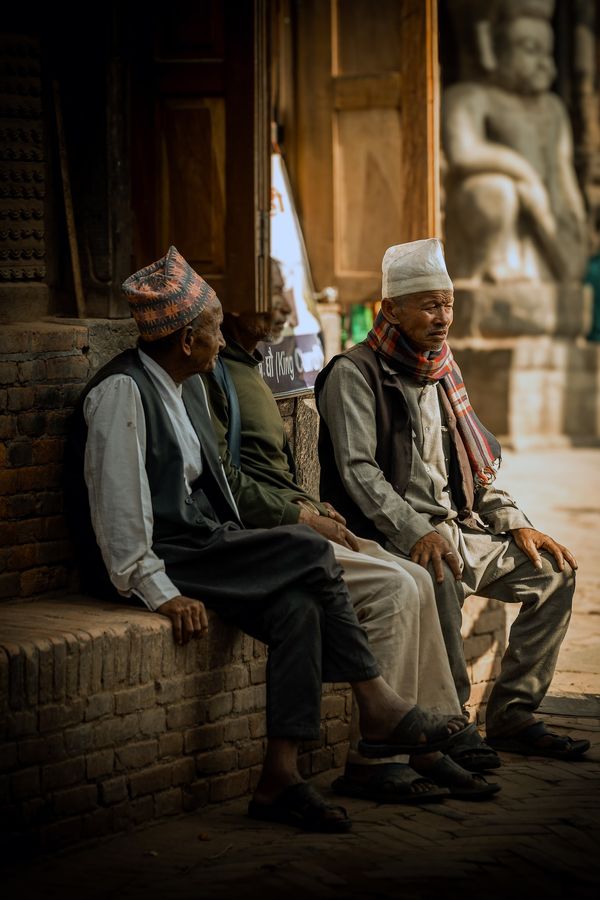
(169, 690)
(31, 370)
(183, 771)
(41, 749)
(99, 705)
(136, 756)
(14, 340)
(135, 655)
(195, 795)
(8, 372)
(38, 478)
(9, 479)
(170, 744)
(16, 681)
(113, 791)
(183, 714)
(257, 724)
(32, 424)
(141, 810)
(250, 755)
(99, 763)
(249, 699)
(321, 760)
(222, 705)
(63, 774)
(157, 778)
(21, 722)
(20, 398)
(340, 753)
(237, 729)
(47, 339)
(152, 721)
(226, 787)
(135, 699)
(8, 427)
(20, 453)
(337, 731)
(25, 783)
(486, 668)
(151, 655)
(168, 803)
(114, 732)
(223, 760)
(76, 800)
(60, 716)
(333, 706)
(42, 580)
(258, 672)
(203, 684)
(206, 737)
(10, 585)
(67, 368)
(80, 738)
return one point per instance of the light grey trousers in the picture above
(395, 603)
(493, 566)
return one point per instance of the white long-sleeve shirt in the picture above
(115, 474)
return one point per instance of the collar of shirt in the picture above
(171, 395)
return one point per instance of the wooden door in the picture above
(200, 143)
(366, 155)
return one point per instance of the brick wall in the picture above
(43, 367)
(105, 722)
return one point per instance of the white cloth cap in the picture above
(413, 267)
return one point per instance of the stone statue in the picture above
(514, 210)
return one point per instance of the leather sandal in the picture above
(527, 743)
(388, 783)
(301, 805)
(461, 785)
(406, 736)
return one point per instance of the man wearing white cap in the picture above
(407, 462)
(154, 519)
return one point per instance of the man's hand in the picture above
(530, 541)
(188, 618)
(433, 548)
(330, 528)
(333, 513)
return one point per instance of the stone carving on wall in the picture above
(22, 167)
(514, 210)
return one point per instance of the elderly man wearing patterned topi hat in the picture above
(407, 462)
(154, 520)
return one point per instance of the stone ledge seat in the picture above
(107, 723)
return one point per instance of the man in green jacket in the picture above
(393, 598)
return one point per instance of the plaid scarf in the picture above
(482, 447)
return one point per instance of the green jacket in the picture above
(263, 487)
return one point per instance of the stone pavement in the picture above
(540, 837)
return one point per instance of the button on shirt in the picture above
(115, 474)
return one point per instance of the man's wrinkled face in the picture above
(423, 318)
(524, 51)
(206, 340)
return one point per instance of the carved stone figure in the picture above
(514, 209)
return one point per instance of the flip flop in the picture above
(527, 743)
(461, 785)
(301, 805)
(472, 753)
(405, 738)
(389, 783)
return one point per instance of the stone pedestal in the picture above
(530, 373)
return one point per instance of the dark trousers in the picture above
(282, 586)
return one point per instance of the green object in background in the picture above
(592, 277)
(361, 322)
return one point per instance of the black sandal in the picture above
(405, 738)
(527, 743)
(472, 753)
(461, 785)
(388, 783)
(301, 805)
